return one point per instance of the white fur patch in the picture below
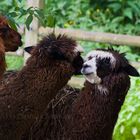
(79, 48)
(102, 54)
(93, 78)
(92, 67)
(90, 72)
(103, 90)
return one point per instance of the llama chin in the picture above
(92, 78)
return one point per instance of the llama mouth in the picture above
(88, 74)
(92, 78)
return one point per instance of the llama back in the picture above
(52, 124)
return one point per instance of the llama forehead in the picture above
(101, 54)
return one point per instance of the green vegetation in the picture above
(128, 125)
(14, 62)
(116, 16)
(17, 13)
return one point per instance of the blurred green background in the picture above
(115, 16)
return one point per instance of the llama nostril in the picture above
(85, 66)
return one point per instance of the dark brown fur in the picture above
(10, 40)
(85, 115)
(8, 76)
(2, 60)
(25, 97)
(89, 114)
(94, 114)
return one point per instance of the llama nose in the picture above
(85, 66)
(84, 69)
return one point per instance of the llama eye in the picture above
(90, 57)
(106, 61)
(103, 62)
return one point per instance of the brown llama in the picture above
(10, 40)
(89, 114)
(7, 77)
(52, 63)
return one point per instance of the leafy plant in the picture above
(14, 62)
(104, 15)
(15, 10)
(128, 125)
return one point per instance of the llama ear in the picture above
(29, 49)
(131, 71)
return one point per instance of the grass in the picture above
(14, 62)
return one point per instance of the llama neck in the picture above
(2, 59)
(44, 81)
(95, 111)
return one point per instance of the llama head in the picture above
(59, 48)
(9, 37)
(101, 63)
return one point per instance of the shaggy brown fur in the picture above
(8, 76)
(10, 40)
(2, 59)
(89, 114)
(25, 97)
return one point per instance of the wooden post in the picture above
(117, 39)
(31, 35)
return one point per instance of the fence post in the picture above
(31, 35)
